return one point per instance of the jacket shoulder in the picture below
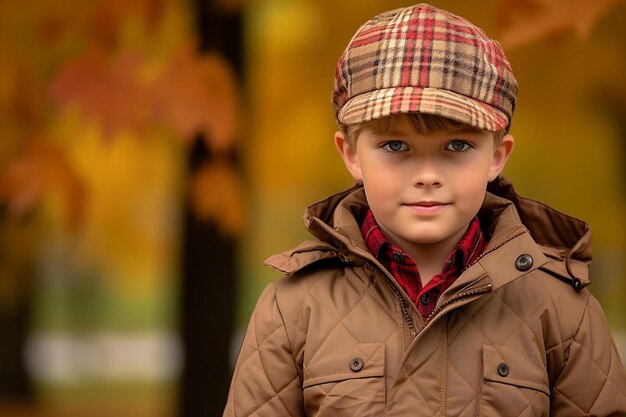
(305, 254)
(566, 305)
(310, 278)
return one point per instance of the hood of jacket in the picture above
(563, 241)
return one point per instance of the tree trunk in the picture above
(209, 258)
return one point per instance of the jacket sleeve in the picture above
(592, 381)
(266, 382)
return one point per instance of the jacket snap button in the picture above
(356, 364)
(524, 262)
(397, 257)
(425, 298)
(503, 369)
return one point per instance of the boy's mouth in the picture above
(427, 207)
(428, 203)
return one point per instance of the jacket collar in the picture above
(559, 244)
(564, 239)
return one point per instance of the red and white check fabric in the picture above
(405, 271)
(424, 59)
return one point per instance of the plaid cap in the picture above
(424, 59)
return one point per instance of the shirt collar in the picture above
(464, 254)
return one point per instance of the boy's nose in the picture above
(427, 176)
(428, 182)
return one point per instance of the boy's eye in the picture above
(395, 146)
(458, 146)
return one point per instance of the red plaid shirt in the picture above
(405, 270)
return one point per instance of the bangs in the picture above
(424, 124)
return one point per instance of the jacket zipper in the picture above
(458, 296)
(405, 312)
(504, 242)
(403, 306)
(474, 291)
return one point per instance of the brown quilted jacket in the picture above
(516, 335)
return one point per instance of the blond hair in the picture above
(424, 124)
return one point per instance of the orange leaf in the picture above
(199, 94)
(527, 21)
(108, 92)
(217, 194)
(41, 168)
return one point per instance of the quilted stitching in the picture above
(471, 319)
(270, 403)
(603, 368)
(530, 408)
(474, 324)
(338, 316)
(267, 333)
(339, 322)
(418, 390)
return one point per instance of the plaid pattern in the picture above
(405, 270)
(423, 59)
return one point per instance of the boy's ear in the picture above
(347, 150)
(501, 155)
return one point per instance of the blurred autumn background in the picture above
(154, 152)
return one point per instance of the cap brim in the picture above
(397, 100)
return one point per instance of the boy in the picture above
(430, 288)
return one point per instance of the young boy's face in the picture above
(424, 189)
